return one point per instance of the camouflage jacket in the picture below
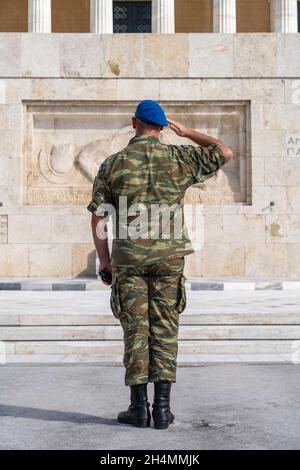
(150, 174)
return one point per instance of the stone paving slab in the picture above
(216, 406)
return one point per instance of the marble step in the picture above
(117, 359)
(191, 316)
(194, 284)
(186, 332)
(114, 349)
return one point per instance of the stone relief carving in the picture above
(57, 163)
(63, 154)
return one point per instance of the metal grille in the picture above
(132, 17)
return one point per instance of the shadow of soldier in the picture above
(54, 415)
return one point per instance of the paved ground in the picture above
(217, 406)
(226, 406)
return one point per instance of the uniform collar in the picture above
(143, 138)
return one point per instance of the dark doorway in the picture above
(132, 17)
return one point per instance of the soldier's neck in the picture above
(148, 134)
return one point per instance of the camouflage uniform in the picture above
(148, 292)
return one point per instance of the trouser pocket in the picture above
(181, 295)
(115, 303)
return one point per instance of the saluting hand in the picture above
(178, 128)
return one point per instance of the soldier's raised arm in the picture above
(202, 161)
(200, 139)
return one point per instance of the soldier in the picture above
(146, 272)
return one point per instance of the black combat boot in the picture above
(138, 413)
(161, 412)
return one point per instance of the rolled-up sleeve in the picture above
(101, 193)
(201, 162)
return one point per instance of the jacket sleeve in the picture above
(201, 162)
(101, 193)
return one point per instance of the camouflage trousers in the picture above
(147, 300)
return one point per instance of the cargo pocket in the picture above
(115, 303)
(181, 295)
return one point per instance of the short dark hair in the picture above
(148, 126)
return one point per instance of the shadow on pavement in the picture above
(54, 415)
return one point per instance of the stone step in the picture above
(189, 317)
(117, 359)
(194, 284)
(186, 332)
(191, 351)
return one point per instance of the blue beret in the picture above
(150, 112)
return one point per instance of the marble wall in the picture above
(62, 94)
